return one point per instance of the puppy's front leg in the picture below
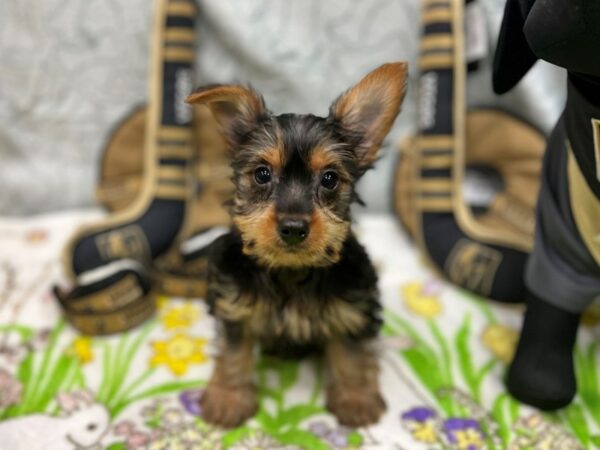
(353, 391)
(230, 397)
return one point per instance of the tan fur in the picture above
(284, 312)
(297, 322)
(232, 107)
(260, 227)
(326, 230)
(274, 157)
(230, 397)
(246, 99)
(384, 87)
(342, 318)
(322, 158)
(353, 386)
(272, 152)
(233, 311)
(300, 321)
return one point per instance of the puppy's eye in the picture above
(262, 175)
(329, 180)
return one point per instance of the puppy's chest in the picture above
(300, 317)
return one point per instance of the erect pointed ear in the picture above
(369, 109)
(235, 108)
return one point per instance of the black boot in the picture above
(542, 373)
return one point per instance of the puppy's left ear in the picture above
(236, 109)
(368, 109)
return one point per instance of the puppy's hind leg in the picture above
(353, 389)
(230, 397)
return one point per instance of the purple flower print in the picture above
(191, 401)
(464, 434)
(335, 437)
(422, 424)
(419, 414)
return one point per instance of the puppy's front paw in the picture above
(353, 407)
(228, 407)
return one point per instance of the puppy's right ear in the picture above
(370, 107)
(236, 109)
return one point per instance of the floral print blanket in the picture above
(443, 356)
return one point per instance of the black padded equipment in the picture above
(151, 225)
(542, 373)
(481, 249)
(562, 32)
(563, 271)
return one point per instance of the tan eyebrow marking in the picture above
(320, 158)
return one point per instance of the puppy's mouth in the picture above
(292, 241)
(293, 248)
(281, 254)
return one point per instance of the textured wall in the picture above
(70, 69)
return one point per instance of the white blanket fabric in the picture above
(443, 356)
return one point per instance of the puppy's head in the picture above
(295, 175)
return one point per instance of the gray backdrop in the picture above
(71, 69)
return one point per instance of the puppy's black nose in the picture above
(293, 231)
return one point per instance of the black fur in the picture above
(296, 191)
(290, 275)
(352, 279)
(301, 134)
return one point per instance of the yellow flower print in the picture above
(180, 316)
(425, 432)
(422, 299)
(178, 352)
(533, 421)
(81, 348)
(162, 302)
(468, 439)
(421, 422)
(501, 341)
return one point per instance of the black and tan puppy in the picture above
(291, 276)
